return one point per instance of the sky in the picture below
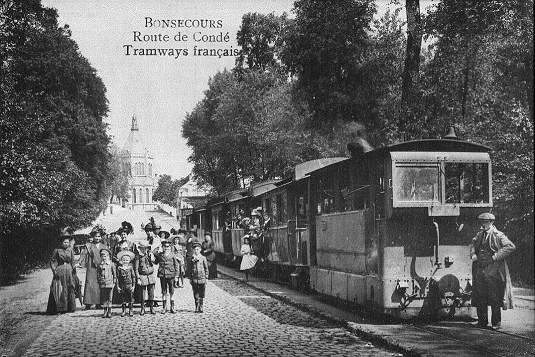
(158, 90)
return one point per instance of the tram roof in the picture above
(434, 145)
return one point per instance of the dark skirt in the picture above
(212, 270)
(91, 289)
(62, 297)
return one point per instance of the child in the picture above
(106, 276)
(180, 252)
(198, 275)
(126, 279)
(248, 260)
(143, 268)
(168, 271)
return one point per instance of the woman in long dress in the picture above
(248, 260)
(90, 260)
(62, 296)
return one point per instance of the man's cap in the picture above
(486, 217)
(105, 250)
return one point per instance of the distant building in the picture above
(138, 163)
(190, 195)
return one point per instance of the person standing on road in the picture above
(126, 280)
(207, 249)
(180, 252)
(62, 290)
(90, 260)
(168, 271)
(248, 260)
(107, 278)
(144, 270)
(492, 283)
(191, 239)
(198, 275)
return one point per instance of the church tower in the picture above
(142, 180)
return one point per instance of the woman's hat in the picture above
(256, 212)
(165, 233)
(127, 226)
(66, 232)
(98, 229)
(106, 250)
(148, 227)
(122, 253)
(486, 217)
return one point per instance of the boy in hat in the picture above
(198, 275)
(168, 272)
(490, 273)
(107, 277)
(144, 270)
(126, 279)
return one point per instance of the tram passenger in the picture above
(126, 280)
(62, 297)
(144, 270)
(248, 260)
(107, 278)
(90, 259)
(492, 283)
(207, 250)
(198, 275)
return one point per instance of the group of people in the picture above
(121, 265)
(119, 270)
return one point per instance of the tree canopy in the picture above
(55, 160)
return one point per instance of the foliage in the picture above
(260, 38)
(118, 174)
(167, 189)
(53, 142)
(480, 79)
(324, 48)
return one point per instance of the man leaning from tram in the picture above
(492, 284)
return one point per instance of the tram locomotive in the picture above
(388, 229)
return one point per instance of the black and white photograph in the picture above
(266, 178)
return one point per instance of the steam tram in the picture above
(388, 229)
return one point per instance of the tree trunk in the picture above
(412, 58)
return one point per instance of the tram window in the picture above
(416, 183)
(467, 182)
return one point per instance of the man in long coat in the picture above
(490, 273)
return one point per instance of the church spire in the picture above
(134, 124)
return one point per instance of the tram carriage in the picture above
(388, 229)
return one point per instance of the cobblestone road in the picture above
(238, 320)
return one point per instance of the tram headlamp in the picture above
(401, 287)
(448, 261)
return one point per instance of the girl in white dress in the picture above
(248, 260)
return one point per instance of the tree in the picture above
(412, 60)
(324, 48)
(260, 38)
(53, 141)
(167, 190)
